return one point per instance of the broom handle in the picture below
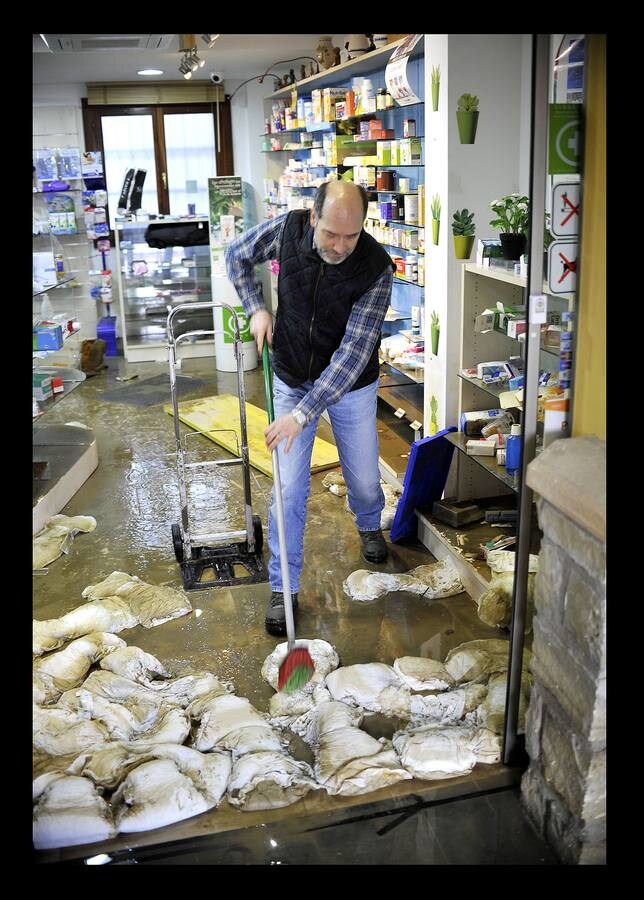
(279, 507)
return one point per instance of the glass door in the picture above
(128, 143)
(191, 161)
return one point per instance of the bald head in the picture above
(337, 217)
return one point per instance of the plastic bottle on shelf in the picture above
(513, 451)
(46, 309)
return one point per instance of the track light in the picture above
(209, 39)
(194, 61)
(185, 69)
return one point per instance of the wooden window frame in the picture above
(93, 134)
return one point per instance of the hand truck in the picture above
(194, 552)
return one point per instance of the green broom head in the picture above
(295, 671)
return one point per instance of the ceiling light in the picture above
(193, 60)
(150, 72)
(209, 39)
(185, 69)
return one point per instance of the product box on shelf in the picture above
(41, 386)
(480, 448)
(410, 151)
(486, 249)
(48, 336)
(330, 97)
(472, 423)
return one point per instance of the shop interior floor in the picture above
(134, 497)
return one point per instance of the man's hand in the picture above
(261, 326)
(284, 427)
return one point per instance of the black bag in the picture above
(188, 234)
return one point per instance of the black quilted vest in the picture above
(315, 300)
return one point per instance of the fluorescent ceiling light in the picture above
(150, 72)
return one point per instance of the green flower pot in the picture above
(463, 245)
(436, 224)
(435, 332)
(467, 122)
(435, 90)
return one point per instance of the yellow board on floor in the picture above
(222, 412)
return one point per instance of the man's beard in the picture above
(334, 259)
(329, 257)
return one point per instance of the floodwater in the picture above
(134, 497)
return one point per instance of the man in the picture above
(333, 292)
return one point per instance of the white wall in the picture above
(492, 67)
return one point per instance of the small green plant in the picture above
(512, 213)
(463, 223)
(435, 319)
(436, 75)
(433, 419)
(436, 206)
(468, 103)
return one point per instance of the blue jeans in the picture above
(353, 419)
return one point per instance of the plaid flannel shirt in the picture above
(261, 244)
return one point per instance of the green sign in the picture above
(229, 325)
(564, 138)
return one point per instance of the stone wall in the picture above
(564, 787)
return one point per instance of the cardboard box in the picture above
(41, 386)
(49, 337)
(480, 448)
(486, 249)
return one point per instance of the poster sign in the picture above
(566, 209)
(564, 138)
(396, 77)
(562, 267)
(226, 217)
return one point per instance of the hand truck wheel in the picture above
(177, 543)
(258, 534)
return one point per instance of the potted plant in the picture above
(436, 217)
(433, 416)
(463, 231)
(435, 333)
(512, 213)
(436, 85)
(467, 117)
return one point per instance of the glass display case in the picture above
(153, 280)
(56, 290)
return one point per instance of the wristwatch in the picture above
(299, 417)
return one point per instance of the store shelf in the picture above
(46, 405)
(401, 249)
(404, 399)
(416, 375)
(486, 462)
(414, 338)
(395, 221)
(363, 64)
(517, 280)
(56, 284)
(494, 389)
(407, 280)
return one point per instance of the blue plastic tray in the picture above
(427, 470)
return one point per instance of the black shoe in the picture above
(374, 548)
(275, 621)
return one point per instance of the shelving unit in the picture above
(479, 476)
(400, 405)
(151, 281)
(63, 456)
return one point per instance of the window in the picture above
(177, 145)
